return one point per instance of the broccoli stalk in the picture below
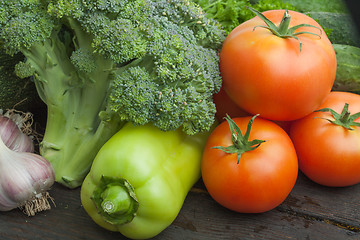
(99, 64)
(74, 128)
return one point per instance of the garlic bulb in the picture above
(12, 136)
(24, 179)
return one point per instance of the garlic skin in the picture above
(23, 177)
(13, 137)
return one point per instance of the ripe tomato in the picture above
(262, 178)
(329, 154)
(225, 106)
(270, 75)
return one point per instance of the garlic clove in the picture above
(24, 176)
(41, 172)
(13, 137)
(23, 143)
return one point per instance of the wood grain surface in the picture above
(311, 212)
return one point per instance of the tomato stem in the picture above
(345, 119)
(284, 24)
(241, 143)
(283, 29)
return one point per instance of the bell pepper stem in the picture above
(115, 200)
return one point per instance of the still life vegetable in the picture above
(231, 13)
(337, 6)
(279, 64)
(132, 89)
(140, 178)
(342, 28)
(326, 141)
(25, 177)
(99, 64)
(348, 68)
(226, 106)
(249, 164)
(12, 125)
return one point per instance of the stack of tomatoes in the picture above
(277, 82)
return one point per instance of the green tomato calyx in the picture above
(241, 143)
(345, 119)
(115, 200)
(283, 29)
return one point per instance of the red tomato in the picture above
(262, 179)
(284, 125)
(224, 105)
(329, 154)
(269, 75)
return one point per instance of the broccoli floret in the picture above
(24, 70)
(83, 60)
(23, 23)
(175, 80)
(99, 64)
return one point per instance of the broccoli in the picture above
(100, 64)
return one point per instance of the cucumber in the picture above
(348, 68)
(342, 27)
(318, 5)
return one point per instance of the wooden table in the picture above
(310, 212)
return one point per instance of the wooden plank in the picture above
(208, 220)
(310, 212)
(339, 206)
(68, 220)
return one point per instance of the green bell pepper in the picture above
(139, 179)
